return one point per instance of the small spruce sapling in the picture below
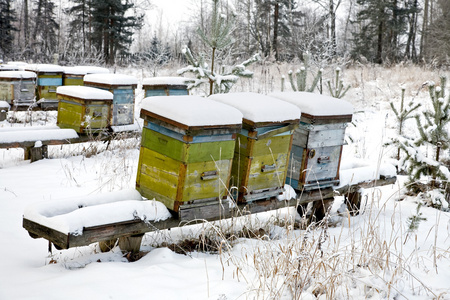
(337, 91)
(434, 131)
(218, 38)
(403, 114)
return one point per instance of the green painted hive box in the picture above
(17, 87)
(49, 77)
(75, 75)
(263, 145)
(186, 154)
(317, 145)
(84, 109)
(122, 87)
(165, 86)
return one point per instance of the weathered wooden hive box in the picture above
(165, 86)
(49, 77)
(122, 87)
(263, 145)
(75, 75)
(84, 109)
(18, 87)
(317, 146)
(186, 154)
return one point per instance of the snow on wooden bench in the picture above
(34, 140)
(81, 221)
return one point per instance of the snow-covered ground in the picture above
(372, 255)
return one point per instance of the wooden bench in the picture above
(129, 232)
(34, 140)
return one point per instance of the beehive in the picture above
(75, 75)
(17, 87)
(84, 109)
(186, 153)
(49, 77)
(165, 86)
(263, 145)
(317, 145)
(122, 87)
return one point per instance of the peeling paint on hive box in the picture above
(185, 167)
(316, 152)
(122, 109)
(84, 114)
(17, 87)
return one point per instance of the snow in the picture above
(45, 68)
(36, 135)
(123, 128)
(71, 215)
(259, 108)
(111, 79)
(83, 70)
(17, 74)
(193, 110)
(371, 255)
(4, 105)
(84, 92)
(316, 104)
(355, 171)
(165, 80)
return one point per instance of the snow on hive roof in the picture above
(71, 215)
(17, 74)
(84, 92)
(45, 68)
(259, 108)
(74, 71)
(316, 104)
(111, 79)
(92, 69)
(193, 110)
(164, 81)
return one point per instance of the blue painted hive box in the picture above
(186, 154)
(123, 88)
(262, 147)
(317, 145)
(49, 77)
(165, 86)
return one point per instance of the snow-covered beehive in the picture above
(165, 86)
(122, 87)
(49, 77)
(17, 87)
(263, 145)
(317, 145)
(84, 109)
(74, 75)
(186, 154)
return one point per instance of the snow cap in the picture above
(45, 68)
(316, 104)
(111, 79)
(165, 81)
(193, 110)
(259, 108)
(18, 74)
(84, 92)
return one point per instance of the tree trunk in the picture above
(424, 36)
(333, 28)
(211, 82)
(275, 30)
(379, 58)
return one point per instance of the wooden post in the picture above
(353, 201)
(131, 243)
(320, 208)
(106, 246)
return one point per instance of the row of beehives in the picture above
(197, 151)
(40, 82)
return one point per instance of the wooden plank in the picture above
(58, 238)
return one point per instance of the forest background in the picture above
(119, 32)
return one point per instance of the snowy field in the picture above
(372, 255)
